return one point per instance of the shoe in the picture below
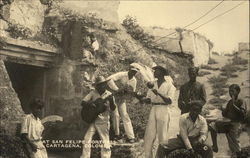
(118, 139)
(215, 149)
(131, 140)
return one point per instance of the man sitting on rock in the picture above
(193, 134)
(234, 112)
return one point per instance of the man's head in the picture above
(160, 72)
(36, 107)
(92, 37)
(132, 72)
(100, 84)
(192, 73)
(195, 108)
(234, 90)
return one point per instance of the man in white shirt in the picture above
(101, 123)
(94, 44)
(91, 48)
(124, 82)
(160, 95)
(193, 134)
(31, 131)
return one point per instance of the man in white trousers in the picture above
(125, 83)
(160, 95)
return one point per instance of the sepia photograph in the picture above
(124, 79)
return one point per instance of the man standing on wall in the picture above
(91, 46)
(192, 90)
(125, 83)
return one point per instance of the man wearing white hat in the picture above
(101, 123)
(124, 82)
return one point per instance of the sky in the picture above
(225, 32)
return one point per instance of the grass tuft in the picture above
(212, 61)
(217, 101)
(239, 61)
(203, 73)
(207, 67)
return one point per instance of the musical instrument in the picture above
(90, 111)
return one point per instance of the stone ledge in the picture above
(32, 44)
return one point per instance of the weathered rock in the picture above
(3, 27)
(190, 44)
(4, 12)
(106, 10)
(29, 13)
(10, 107)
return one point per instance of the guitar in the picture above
(90, 111)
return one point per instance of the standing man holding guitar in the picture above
(160, 95)
(98, 103)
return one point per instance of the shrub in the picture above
(245, 152)
(212, 61)
(243, 69)
(218, 85)
(217, 80)
(203, 73)
(230, 55)
(137, 32)
(207, 67)
(17, 31)
(5, 2)
(11, 146)
(217, 92)
(217, 101)
(228, 70)
(215, 53)
(239, 61)
(228, 74)
(229, 67)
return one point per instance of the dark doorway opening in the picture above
(27, 81)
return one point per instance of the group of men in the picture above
(193, 126)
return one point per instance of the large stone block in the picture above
(5, 12)
(191, 44)
(3, 27)
(29, 13)
(107, 10)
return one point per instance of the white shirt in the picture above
(167, 89)
(95, 45)
(33, 127)
(188, 128)
(121, 78)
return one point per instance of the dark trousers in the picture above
(177, 143)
